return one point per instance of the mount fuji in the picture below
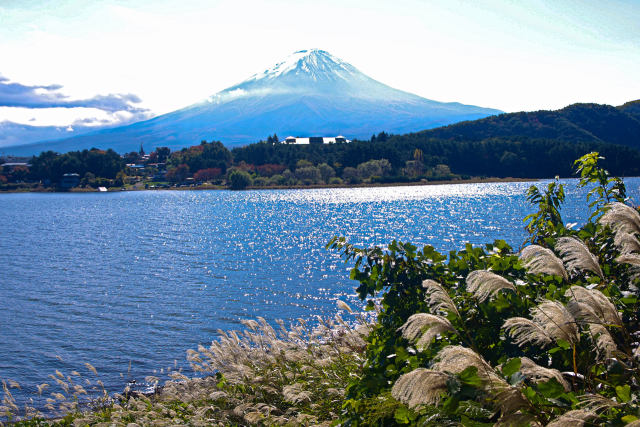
(311, 93)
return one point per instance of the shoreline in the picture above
(283, 187)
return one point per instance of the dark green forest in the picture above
(577, 122)
(537, 144)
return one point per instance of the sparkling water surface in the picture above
(136, 278)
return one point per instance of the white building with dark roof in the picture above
(315, 140)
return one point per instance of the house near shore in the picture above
(11, 166)
(294, 140)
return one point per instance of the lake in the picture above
(129, 281)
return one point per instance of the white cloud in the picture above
(64, 116)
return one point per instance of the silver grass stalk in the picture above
(556, 320)
(598, 302)
(420, 387)
(633, 259)
(344, 306)
(621, 217)
(484, 284)
(423, 327)
(455, 359)
(295, 393)
(626, 242)
(577, 256)
(575, 418)
(539, 260)
(524, 331)
(582, 312)
(517, 420)
(604, 341)
(510, 400)
(438, 298)
(596, 402)
(537, 373)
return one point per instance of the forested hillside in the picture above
(499, 157)
(525, 144)
(577, 122)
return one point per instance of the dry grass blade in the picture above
(525, 331)
(438, 298)
(597, 302)
(596, 402)
(420, 387)
(632, 259)
(484, 284)
(518, 420)
(538, 373)
(575, 418)
(424, 327)
(577, 256)
(510, 400)
(296, 393)
(539, 260)
(621, 217)
(91, 368)
(556, 320)
(604, 342)
(344, 306)
(627, 243)
(455, 359)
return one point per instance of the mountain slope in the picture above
(632, 108)
(310, 93)
(577, 122)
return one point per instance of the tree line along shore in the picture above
(538, 144)
(382, 160)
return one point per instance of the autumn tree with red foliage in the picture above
(270, 169)
(207, 174)
(179, 173)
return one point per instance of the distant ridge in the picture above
(309, 93)
(576, 122)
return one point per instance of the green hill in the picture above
(526, 144)
(577, 122)
(632, 108)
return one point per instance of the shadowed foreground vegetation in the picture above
(545, 335)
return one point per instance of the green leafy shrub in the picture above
(491, 336)
(239, 179)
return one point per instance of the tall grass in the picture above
(292, 375)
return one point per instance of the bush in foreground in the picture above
(488, 336)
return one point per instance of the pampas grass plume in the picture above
(423, 327)
(484, 284)
(539, 260)
(577, 256)
(420, 387)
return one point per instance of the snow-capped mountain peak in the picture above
(315, 63)
(310, 93)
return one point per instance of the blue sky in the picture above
(106, 61)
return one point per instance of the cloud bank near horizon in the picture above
(38, 104)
